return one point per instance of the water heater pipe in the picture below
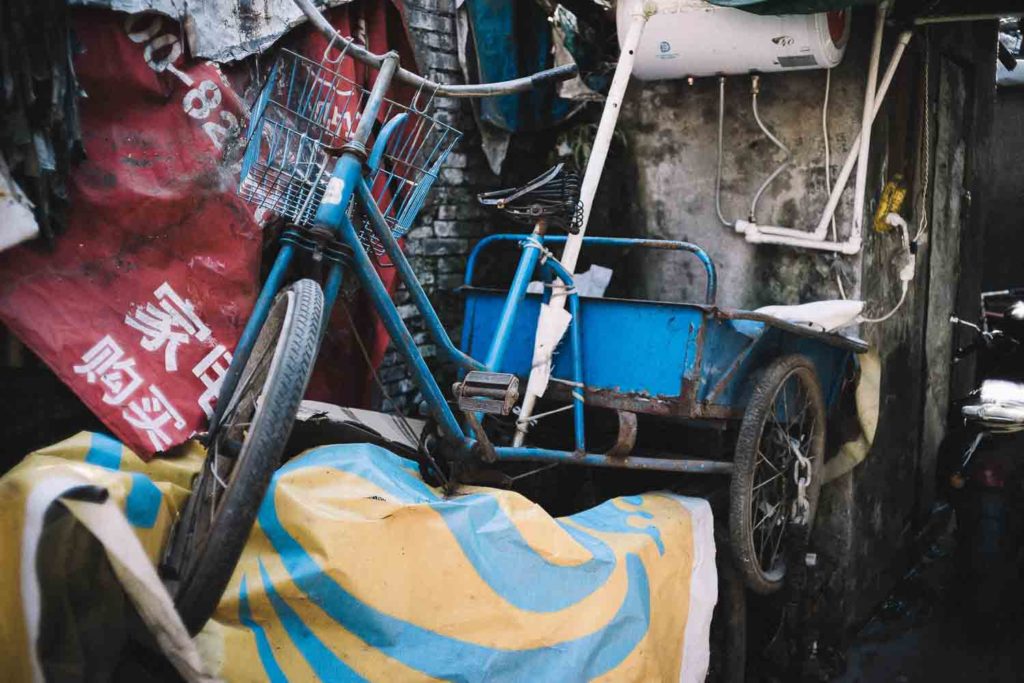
(770, 234)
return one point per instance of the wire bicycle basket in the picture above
(306, 112)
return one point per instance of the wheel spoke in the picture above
(768, 515)
(778, 544)
(762, 458)
(244, 387)
(768, 481)
(788, 431)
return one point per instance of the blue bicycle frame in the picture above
(348, 184)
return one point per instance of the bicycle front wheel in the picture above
(216, 521)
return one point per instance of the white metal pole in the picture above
(860, 188)
(605, 132)
(591, 178)
(819, 234)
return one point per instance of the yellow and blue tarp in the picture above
(357, 570)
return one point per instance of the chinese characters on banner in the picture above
(146, 293)
(162, 327)
(139, 305)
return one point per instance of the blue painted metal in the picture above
(252, 329)
(342, 185)
(830, 362)
(629, 347)
(381, 143)
(335, 277)
(662, 358)
(517, 292)
(711, 288)
(400, 335)
(575, 353)
(412, 284)
(252, 150)
(388, 185)
(682, 359)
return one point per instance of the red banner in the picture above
(138, 307)
(146, 291)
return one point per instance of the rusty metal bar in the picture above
(680, 466)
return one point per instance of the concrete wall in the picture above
(1004, 251)
(671, 128)
(870, 517)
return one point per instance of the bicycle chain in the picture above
(802, 473)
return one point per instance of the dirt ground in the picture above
(924, 633)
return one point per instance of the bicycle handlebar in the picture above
(559, 73)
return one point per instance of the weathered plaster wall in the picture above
(874, 516)
(671, 128)
(870, 517)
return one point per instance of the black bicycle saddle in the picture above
(552, 196)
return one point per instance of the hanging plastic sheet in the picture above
(500, 40)
(221, 30)
(358, 570)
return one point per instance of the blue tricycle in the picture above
(348, 167)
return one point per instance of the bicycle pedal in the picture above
(493, 393)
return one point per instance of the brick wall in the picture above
(451, 222)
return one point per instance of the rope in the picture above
(922, 225)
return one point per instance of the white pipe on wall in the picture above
(860, 187)
(764, 234)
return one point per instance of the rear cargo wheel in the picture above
(216, 521)
(781, 440)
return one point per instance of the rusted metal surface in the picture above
(663, 406)
(728, 374)
(625, 442)
(654, 464)
(691, 383)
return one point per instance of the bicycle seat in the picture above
(552, 196)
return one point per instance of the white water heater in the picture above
(686, 38)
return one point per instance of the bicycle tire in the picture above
(293, 324)
(749, 557)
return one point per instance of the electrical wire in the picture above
(828, 155)
(891, 313)
(922, 226)
(906, 273)
(755, 88)
(721, 134)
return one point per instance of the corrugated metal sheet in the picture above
(221, 30)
